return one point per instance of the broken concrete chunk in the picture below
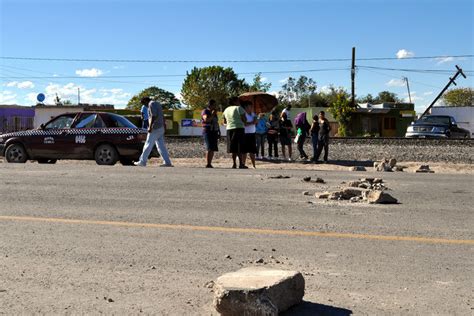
(258, 291)
(392, 162)
(348, 193)
(320, 180)
(380, 197)
(358, 168)
(324, 195)
(424, 169)
(364, 185)
(354, 184)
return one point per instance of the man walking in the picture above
(144, 114)
(156, 134)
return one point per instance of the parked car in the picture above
(435, 126)
(103, 137)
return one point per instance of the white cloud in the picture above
(325, 89)
(8, 97)
(285, 80)
(21, 85)
(117, 97)
(443, 60)
(263, 79)
(396, 83)
(414, 97)
(403, 53)
(428, 93)
(118, 67)
(93, 72)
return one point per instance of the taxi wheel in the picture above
(16, 153)
(106, 155)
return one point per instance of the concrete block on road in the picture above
(258, 291)
(380, 197)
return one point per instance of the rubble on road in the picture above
(358, 168)
(258, 291)
(279, 177)
(318, 180)
(387, 165)
(424, 169)
(370, 190)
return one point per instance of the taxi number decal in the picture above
(49, 140)
(80, 139)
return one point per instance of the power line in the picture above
(174, 75)
(227, 61)
(432, 71)
(391, 76)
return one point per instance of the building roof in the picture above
(14, 106)
(387, 105)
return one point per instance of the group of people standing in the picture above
(247, 133)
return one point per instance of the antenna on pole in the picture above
(408, 87)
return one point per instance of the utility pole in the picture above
(78, 96)
(408, 87)
(353, 77)
(451, 81)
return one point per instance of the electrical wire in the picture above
(227, 61)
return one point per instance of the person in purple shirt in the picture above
(210, 131)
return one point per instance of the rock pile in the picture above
(371, 190)
(387, 165)
(424, 169)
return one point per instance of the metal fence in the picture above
(10, 124)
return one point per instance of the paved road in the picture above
(79, 238)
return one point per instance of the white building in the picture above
(464, 115)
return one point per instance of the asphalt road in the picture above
(81, 239)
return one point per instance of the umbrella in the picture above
(262, 102)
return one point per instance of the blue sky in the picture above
(228, 30)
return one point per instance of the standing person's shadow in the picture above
(314, 309)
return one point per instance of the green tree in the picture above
(332, 93)
(386, 96)
(297, 92)
(459, 97)
(366, 99)
(259, 85)
(167, 99)
(214, 82)
(342, 111)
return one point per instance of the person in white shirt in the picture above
(287, 110)
(250, 146)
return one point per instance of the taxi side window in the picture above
(60, 122)
(99, 122)
(86, 121)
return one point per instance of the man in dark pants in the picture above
(234, 118)
(323, 137)
(210, 131)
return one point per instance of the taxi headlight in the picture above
(410, 129)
